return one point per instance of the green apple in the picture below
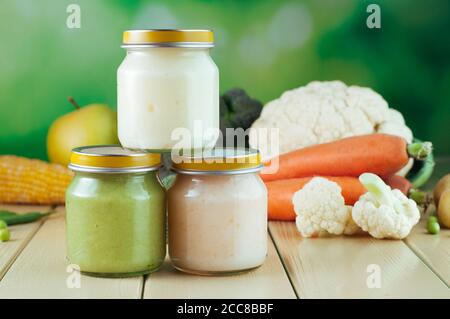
(93, 124)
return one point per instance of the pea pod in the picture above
(4, 213)
(22, 218)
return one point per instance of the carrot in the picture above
(398, 182)
(280, 194)
(380, 154)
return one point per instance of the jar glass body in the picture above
(217, 223)
(115, 223)
(160, 89)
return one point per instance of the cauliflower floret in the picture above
(322, 112)
(383, 212)
(320, 208)
(394, 124)
(351, 228)
(395, 116)
(396, 129)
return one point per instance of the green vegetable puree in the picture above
(115, 223)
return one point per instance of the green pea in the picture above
(433, 228)
(3, 224)
(432, 219)
(4, 234)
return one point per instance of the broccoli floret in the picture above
(245, 117)
(223, 107)
(231, 95)
(238, 110)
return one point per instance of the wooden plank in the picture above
(40, 271)
(340, 267)
(434, 250)
(268, 281)
(20, 235)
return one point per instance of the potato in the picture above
(443, 211)
(441, 186)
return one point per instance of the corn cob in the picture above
(32, 181)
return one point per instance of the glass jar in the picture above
(217, 213)
(167, 81)
(115, 212)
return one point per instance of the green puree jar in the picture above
(115, 212)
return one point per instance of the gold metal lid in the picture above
(168, 38)
(112, 159)
(218, 161)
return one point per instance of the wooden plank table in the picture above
(349, 267)
(33, 265)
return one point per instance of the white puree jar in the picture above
(217, 213)
(167, 81)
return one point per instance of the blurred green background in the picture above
(265, 47)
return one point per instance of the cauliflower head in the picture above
(322, 112)
(320, 208)
(383, 212)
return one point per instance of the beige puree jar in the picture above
(217, 212)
